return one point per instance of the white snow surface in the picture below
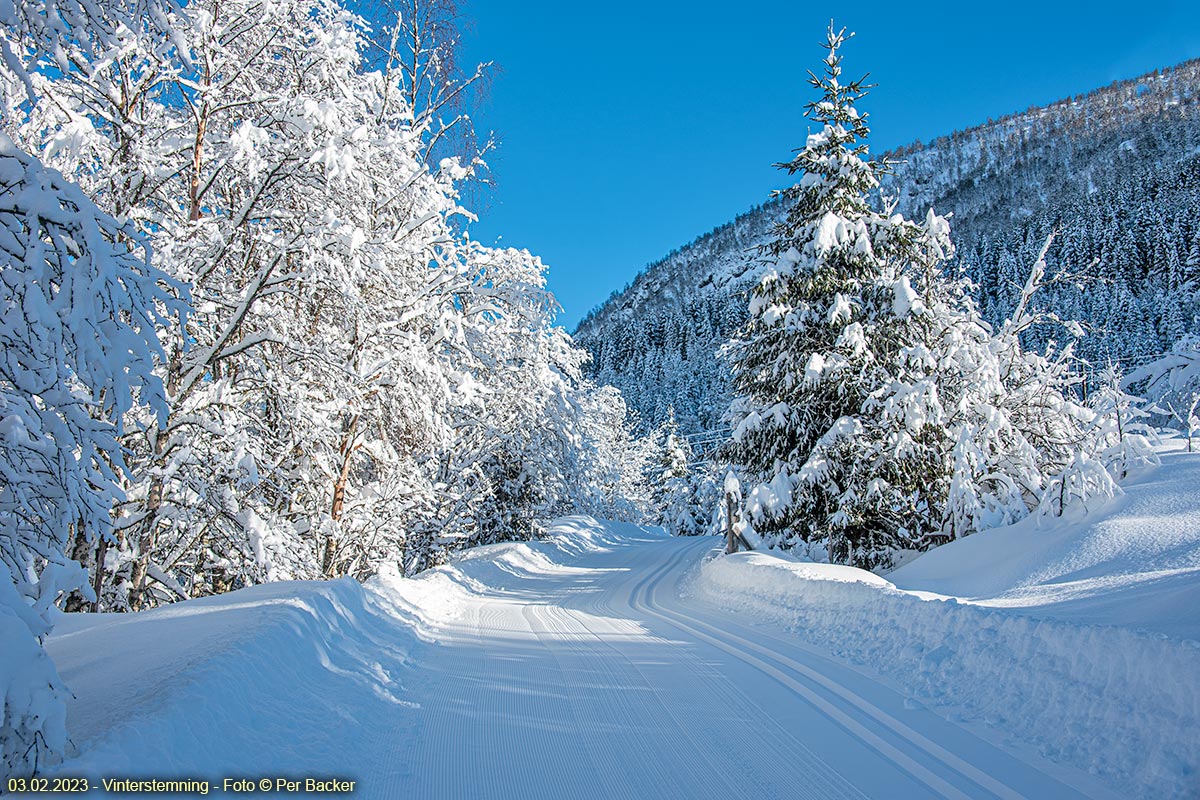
(614, 661)
(288, 678)
(1076, 637)
(1135, 562)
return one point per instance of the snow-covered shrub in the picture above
(1173, 383)
(1123, 439)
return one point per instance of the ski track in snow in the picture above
(508, 675)
(825, 686)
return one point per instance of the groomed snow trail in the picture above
(580, 667)
(599, 680)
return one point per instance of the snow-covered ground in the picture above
(1078, 638)
(1134, 563)
(284, 678)
(612, 661)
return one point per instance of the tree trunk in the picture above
(76, 602)
(198, 146)
(339, 498)
(154, 497)
(148, 535)
(197, 152)
(98, 577)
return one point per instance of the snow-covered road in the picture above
(583, 667)
(601, 680)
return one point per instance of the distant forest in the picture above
(1114, 174)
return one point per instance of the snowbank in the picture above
(1134, 563)
(1120, 703)
(193, 685)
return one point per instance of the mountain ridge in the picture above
(1115, 172)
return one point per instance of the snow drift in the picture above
(1134, 563)
(196, 684)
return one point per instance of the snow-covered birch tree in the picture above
(359, 381)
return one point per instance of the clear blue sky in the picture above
(629, 128)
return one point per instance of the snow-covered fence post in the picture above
(730, 538)
(733, 500)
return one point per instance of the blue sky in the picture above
(628, 128)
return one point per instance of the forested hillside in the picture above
(1114, 173)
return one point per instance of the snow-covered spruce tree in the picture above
(673, 483)
(670, 460)
(877, 410)
(828, 319)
